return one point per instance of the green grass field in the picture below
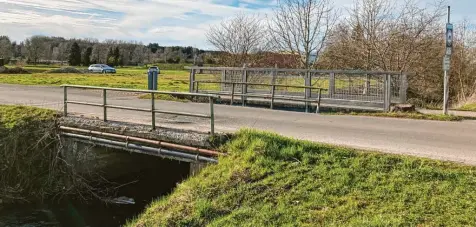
(135, 78)
(269, 180)
(468, 107)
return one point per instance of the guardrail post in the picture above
(153, 110)
(104, 103)
(244, 86)
(212, 117)
(192, 79)
(403, 88)
(273, 91)
(318, 107)
(332, 85)
(232, 94)
(65, 101)
(307, 93)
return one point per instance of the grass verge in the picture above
(269, 180)
(468, 107)
(415, 116)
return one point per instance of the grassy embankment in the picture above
(28, 149)
(268, 180)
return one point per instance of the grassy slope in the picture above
(268, 180)
(19, 116)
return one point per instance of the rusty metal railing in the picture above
(153, 110)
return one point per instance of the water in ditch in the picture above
(156, 178)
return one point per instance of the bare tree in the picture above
(35, 48)
(239, 37)
(301, 27)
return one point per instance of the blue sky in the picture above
(168, 22)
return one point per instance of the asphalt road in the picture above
(454, 141)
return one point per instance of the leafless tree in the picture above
(35, 48)
(393, 36)
(301, 27)
(239, 37)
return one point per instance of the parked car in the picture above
(101, 68)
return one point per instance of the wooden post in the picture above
(332, 85)
(192, 79)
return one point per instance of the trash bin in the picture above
(153, 77)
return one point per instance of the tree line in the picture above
(380, 35)
(75, 52)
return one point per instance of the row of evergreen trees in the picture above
(114, 57)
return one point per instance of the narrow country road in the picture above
(454, 141)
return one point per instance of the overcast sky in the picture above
(167, 22)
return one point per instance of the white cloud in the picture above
(168, 22)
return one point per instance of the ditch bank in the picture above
(46, 184)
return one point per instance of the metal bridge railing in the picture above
(153, 110)
(352, 88)
(306, 98)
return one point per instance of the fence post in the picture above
(403, 88)
(232, 93)
(318, 107)
(332, 85)
(387, 93)
(212, 117)
(273, 91)
(244, 86)
(153, 110)
(104, 103)
(223, 79)
(275, 74)
(65, 101)
(192, 79)
(307, 93)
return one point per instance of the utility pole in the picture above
(447, 62)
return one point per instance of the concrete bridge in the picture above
(455, 141)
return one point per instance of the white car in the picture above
(101, 68)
